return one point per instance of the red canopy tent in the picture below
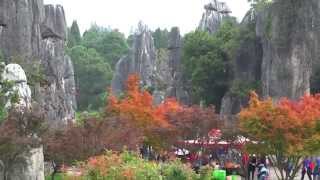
(215, 140)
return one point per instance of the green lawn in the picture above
(56, 177)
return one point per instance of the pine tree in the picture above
(74, 35)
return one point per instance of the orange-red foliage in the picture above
(163, 123)
(291, 125)
(138, 106)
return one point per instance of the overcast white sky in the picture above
(125, 14)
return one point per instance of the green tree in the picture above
(207, 62)
(93, 75)
(74, 37)
(110, 44)
(160, 38)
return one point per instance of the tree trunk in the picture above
(5, 174)
(55, 170)
(52, 175)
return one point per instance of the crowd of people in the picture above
(259, 166)
(311, 168)
(254, 164)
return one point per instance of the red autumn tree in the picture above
(130, 120)
(194, 122)
(162, 124)
(289, 130)
(138, 107)
(93, 137)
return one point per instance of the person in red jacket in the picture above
(312, 165)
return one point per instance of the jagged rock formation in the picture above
(159, 70)
(247, 69)
(30, 168)
(211, 19)
(36, 35)
(58, 96)
(283, 53)
(31, 164)
(177, 87)
(290, 36)
(54, 24)
(14, 73)
(140, 60)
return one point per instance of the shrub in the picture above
(129, 166)
(205, 173)
(177, 171)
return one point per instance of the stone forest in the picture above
(229, 100)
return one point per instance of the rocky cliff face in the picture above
(30, 164)
(177, 87)
(30, 168)
(247, 69)
(36, 34)
(58, 95)
(159, 70)
(14, 73)
(215, 11)
(283, 53)
(140, 60)
(290, 36)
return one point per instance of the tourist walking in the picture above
(316, 170)
(252, 166)
(262, 171)
(306, 168)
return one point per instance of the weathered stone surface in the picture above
(35, 34)
(177, 87)
(141, 61)
(54, 24)
(160, 70)
(290, 36)
(247, 70)
(58, 95)
(31, 164)
(20, 34)
(14, 73)
(30, 168)
(211, 19)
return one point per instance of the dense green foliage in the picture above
(242, 89)
(110, 44)
(74, 36)
(93, 75)
(129, 165)
(94, 55)
(207, 61)
(161, 38)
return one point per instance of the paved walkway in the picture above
(273, 176)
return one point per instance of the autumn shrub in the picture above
(178, 171)
(129, 166)
(205, 173)
(121, 166)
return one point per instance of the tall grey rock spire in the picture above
(215, 11)
(140, 60)
(35, 34)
